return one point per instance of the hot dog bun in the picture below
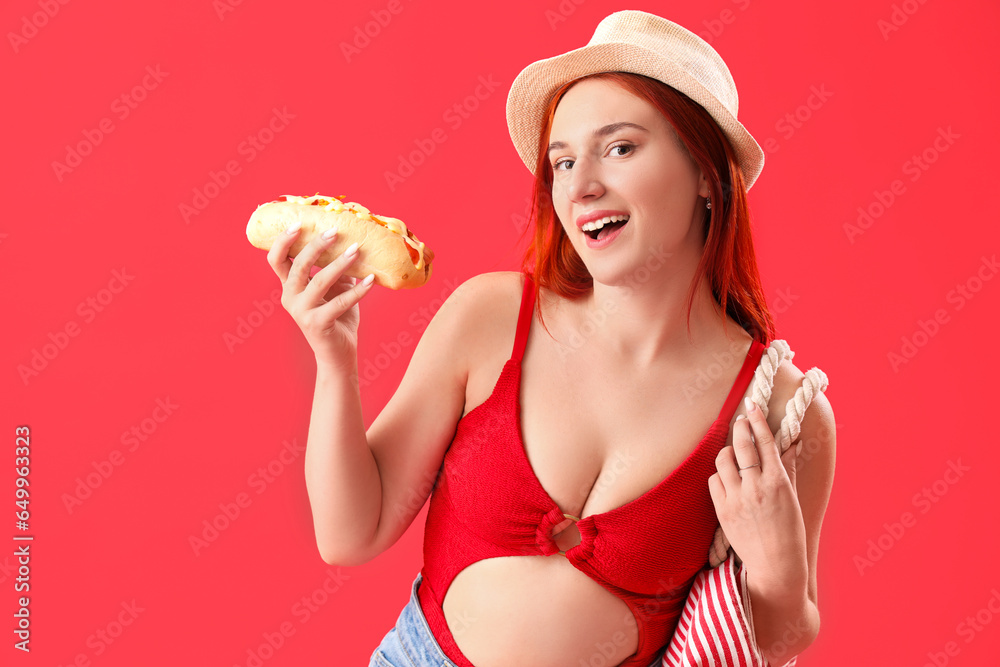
(386, 247)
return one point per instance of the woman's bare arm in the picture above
(366, 488)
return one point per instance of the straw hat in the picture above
(642, 43)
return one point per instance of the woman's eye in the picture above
(559, 165)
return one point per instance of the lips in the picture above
(605, 236)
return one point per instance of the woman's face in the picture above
(604, 165)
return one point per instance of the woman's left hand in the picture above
(758, 507)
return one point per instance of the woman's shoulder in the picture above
(817, 420)
(488, 305)
(492, 281)
(486, 293)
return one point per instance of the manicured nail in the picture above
(353, 248)
(739, 417)
(294, 227)
(330, 233)
(798, 449)
(751, 406)
(369, 279)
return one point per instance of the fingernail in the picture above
(750, 405)
(294, 227)
(368, 279)
(353, 248)
(330, 233)
(798, 449)
(739, 417)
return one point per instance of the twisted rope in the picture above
(763, 377)
(814, 382)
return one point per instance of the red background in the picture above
(164, 335)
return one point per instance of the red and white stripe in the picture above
(716, 627)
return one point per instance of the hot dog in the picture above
(386, 247)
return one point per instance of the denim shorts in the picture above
(411, 643)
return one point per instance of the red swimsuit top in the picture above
(487, 502)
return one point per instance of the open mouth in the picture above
(601, 228)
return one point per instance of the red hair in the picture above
(728, 259)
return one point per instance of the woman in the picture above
(553, 536)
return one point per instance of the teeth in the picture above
(597, 224)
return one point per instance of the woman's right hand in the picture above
(325, 306)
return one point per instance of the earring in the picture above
(708, 202)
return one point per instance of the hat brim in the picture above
(534, 86)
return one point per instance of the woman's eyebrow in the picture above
(600, 132)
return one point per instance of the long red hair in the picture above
(728, 259)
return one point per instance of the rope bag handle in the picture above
(814, 382)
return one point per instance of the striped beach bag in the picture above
(716, 626)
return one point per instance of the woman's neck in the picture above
(642, 324)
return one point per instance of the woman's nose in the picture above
(584, 181)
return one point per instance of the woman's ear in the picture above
(703, 186)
